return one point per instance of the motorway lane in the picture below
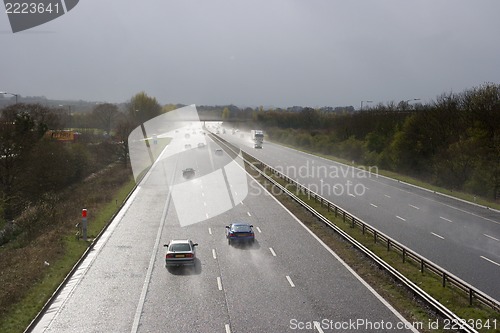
(286, 275)
(250, 282)
(460, 237)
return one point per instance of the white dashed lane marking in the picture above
(498, 240)
(493, 262)
(439, 236)
(219, 283)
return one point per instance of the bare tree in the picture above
(105, 113)
(21, 126)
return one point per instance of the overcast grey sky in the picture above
(260, 52)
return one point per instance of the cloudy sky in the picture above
(256, 52)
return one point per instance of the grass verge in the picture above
(54, 253)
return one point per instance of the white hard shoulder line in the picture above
(58, 303)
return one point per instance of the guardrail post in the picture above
(353, 222)
(375, 235)
(444, 279)
(422, 264)
(343, 213)
(336, 213)
(363, 228)
(388, 244)
(328, 207)
(471, 294)
(404, 254)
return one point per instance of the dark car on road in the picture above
(188, 173)
(180, 252)
(240, 232)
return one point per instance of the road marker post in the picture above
(84, 224)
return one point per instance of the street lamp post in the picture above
(364, 102)
(69, 114)
(8, 93)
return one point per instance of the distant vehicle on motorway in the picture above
(219, 151)
(180, 252)
(187, 146)
(187, 136)
(201, 145)
(240, 232)
(258, 138)
(188, 172)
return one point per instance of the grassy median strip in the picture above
(401, 298)
(61, 248)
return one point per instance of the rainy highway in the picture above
(287, 280)
(462, 238)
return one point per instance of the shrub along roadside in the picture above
(403, 178)
(35, 263)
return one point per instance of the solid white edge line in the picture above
(214, 254)
(68, 290)
(219, 283)
(228, 328)
(290, 281)
(272, 252)
(493, 262)
(335, 255)
(439, 236)
(145, 286)
(498, 240)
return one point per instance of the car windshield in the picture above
(241, 228)
(179, 247)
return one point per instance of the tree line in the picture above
(35, 168)
(452, 142)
